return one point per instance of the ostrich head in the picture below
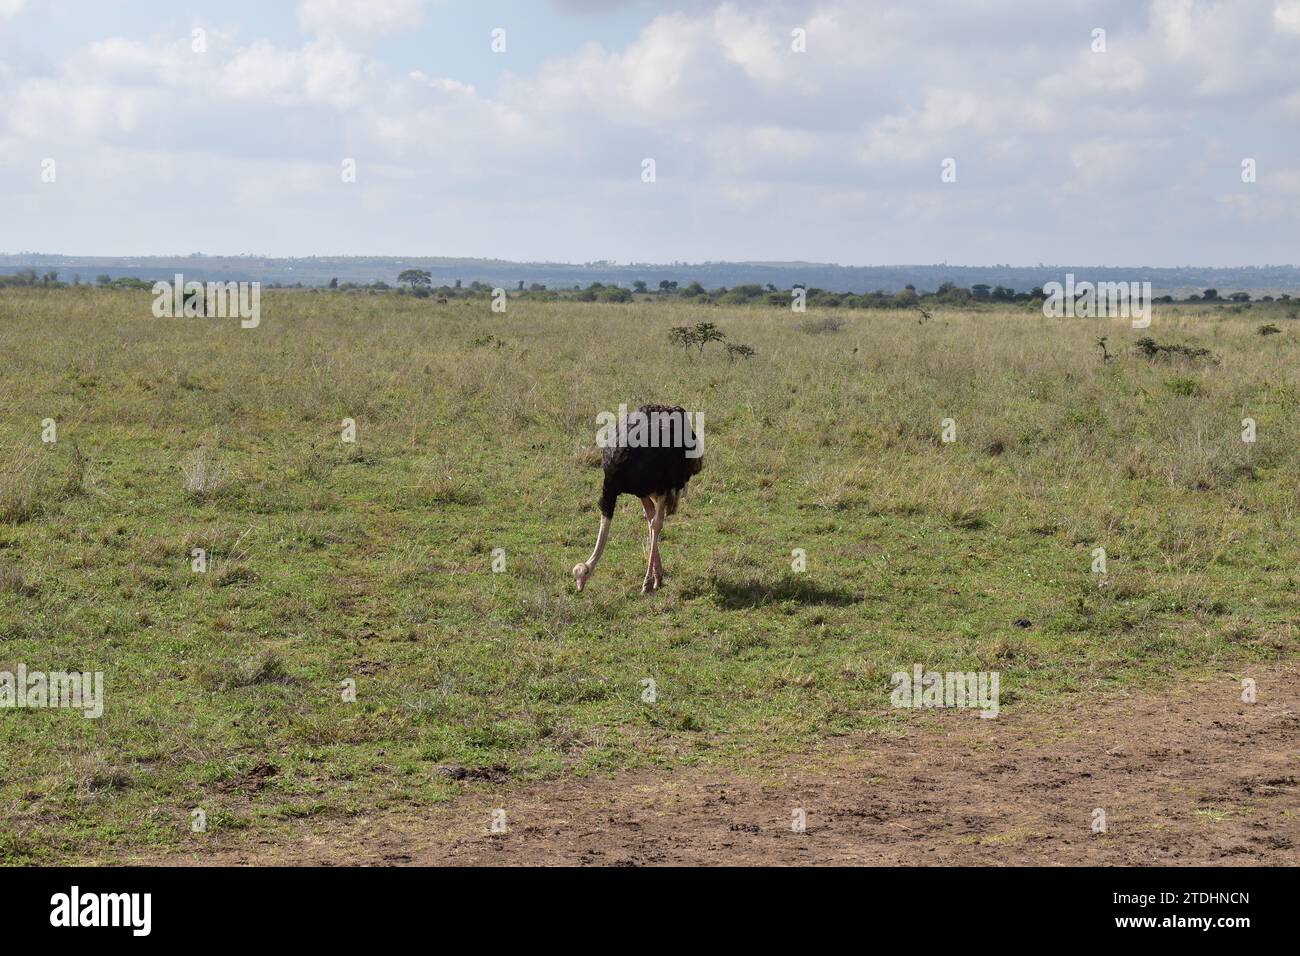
(580, 572)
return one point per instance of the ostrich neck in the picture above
(600, 542)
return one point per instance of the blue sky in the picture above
(118, 137)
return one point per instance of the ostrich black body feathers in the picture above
(644, 470)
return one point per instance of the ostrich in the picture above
(655, 470)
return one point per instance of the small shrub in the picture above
(701, 335)
(681, 335)
(20, 469)
(75, 478)
(735, 350)
(265, 668)
(203, 476)
(1269, 329)
(1185, 385)
(15, 582)
(1156, 352)
(706, 332)
(441, 484)
(822, 326)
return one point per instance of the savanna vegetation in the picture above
(371, 561)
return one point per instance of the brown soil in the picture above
(1187, 776)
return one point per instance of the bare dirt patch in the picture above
(1187, 776)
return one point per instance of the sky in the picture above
(974, 132)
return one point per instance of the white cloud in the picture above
(321, 72)
(1287, 15)
(1224, 47)
(346, 20)
(751, 43)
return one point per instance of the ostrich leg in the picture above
(657, 569)
(661, 509)
(654, 570)
(659, 564)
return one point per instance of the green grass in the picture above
(372, 561)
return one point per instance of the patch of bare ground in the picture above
(1187, 776)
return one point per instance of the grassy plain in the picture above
(372, 561)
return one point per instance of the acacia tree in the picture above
(706, 332)
(416, 278)
(681, 335)
(701, 335)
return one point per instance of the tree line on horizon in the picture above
(419, 283)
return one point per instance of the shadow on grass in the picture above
(752, 592)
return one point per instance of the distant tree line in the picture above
(419, 283)
(50, 280)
